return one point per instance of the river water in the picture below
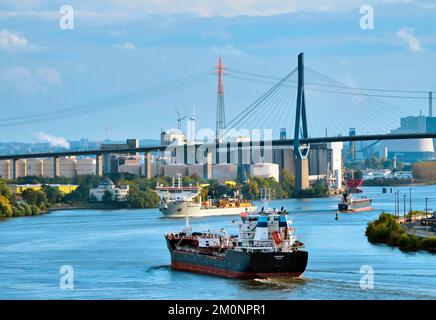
(121, 254)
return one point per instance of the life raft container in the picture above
(277, 237)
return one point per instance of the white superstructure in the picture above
(119, 193)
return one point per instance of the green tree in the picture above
(143, 199)
(80, 194)
(107, 196)
(35, 197)
(52, 193)
(251, 190)
(4, 190)
(217, 190)
(5, 207)
(288, 183)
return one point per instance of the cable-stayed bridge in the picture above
(314, 107)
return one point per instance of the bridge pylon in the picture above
(301, 151)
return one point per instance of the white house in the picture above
(119, 193)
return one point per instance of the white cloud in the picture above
(52, 140)
(111, 11)
(117, 33)
(10, 41)
(21, 80)
(125, 46)
(406, 34)
(24, 81)
(49, 76)
(228, 50)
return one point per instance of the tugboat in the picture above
(266, 247)
(349, 204)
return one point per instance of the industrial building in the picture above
(325, 163)
(224, 172)
(265, 170)
(412, 150)
(172, 137)
(112, 161)
(68, 167)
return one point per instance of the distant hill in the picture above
(83, 144)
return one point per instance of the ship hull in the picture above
(241, 265)
(356, 206)
(183, 209)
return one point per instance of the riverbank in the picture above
(88, 205)
(387, 230)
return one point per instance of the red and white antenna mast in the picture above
(220, 110)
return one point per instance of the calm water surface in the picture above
(122, 255)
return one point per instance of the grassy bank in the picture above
(88, 205)
(388, 231)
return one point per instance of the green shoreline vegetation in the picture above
(387, 230)
(141, 192)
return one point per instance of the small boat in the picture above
(349, 204)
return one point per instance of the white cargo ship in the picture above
(182, 201)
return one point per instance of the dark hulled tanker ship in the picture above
(266, 247)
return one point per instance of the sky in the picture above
(120, 47)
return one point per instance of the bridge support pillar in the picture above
(147, 165)
(15, 168)
(301, 173)
(99, 165)
(301, 151)
(56, 167)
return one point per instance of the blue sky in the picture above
(118, 47)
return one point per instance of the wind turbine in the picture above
(179, 120)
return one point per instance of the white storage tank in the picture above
(34, 167)
(5, 169)
(265, 170)
(86, 166)
(22, 168)
(224, 172)
(68, 167)
(413, 145)
(47, 167)
(173, 169)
